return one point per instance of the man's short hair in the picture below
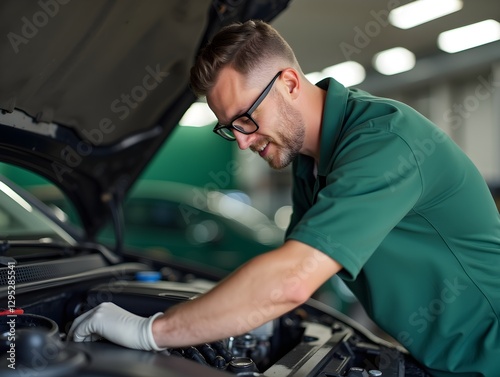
(247, 47)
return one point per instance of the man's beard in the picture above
(291, 134)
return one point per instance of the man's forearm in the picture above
(261, 290)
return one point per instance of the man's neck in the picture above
(312, 108)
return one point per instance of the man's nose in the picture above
(244, 141)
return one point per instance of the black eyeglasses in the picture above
(244, 123)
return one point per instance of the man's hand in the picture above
(116, 325)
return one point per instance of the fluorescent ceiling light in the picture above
(469, 36)
(422, 11)
(198, 115)
(394, 60)
(347, 73)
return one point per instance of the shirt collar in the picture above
(333, 119)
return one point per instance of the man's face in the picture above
(281, 129)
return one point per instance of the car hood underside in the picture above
(89, 90)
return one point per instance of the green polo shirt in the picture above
(406, 213)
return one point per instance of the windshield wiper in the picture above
(67, 250)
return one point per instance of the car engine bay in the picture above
(313, 340)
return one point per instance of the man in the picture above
(381, 196)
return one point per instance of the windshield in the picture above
(20, 220)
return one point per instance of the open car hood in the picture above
(89, 90)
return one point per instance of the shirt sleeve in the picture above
(374, 182)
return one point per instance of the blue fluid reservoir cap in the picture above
(148, 276)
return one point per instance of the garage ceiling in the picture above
(327, 32)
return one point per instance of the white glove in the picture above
(116, 325)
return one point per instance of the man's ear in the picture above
(291, 79)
